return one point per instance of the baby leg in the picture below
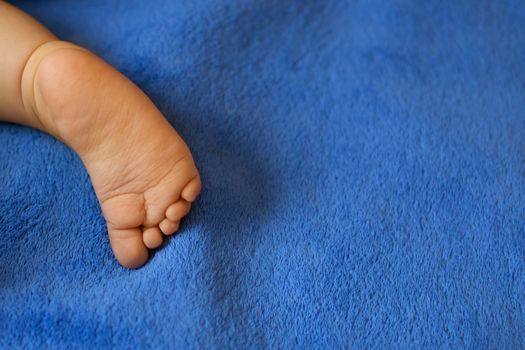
(142, 171)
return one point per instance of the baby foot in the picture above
(142, 171)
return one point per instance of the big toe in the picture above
(128, 247)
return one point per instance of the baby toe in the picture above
(152, 237)
(178, 210)
(128, 247)
(192, 189)
(169, 227)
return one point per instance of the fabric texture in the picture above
(363, 166)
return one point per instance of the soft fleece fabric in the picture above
(364, 178)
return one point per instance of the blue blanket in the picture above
(364, 178)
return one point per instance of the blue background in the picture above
(363, 166)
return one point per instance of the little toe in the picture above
(178, 210)
(192, 189)
(152, 237)
(128, 247)
(169, 227)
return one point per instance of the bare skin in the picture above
(145, 185)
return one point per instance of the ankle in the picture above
(33, 103)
